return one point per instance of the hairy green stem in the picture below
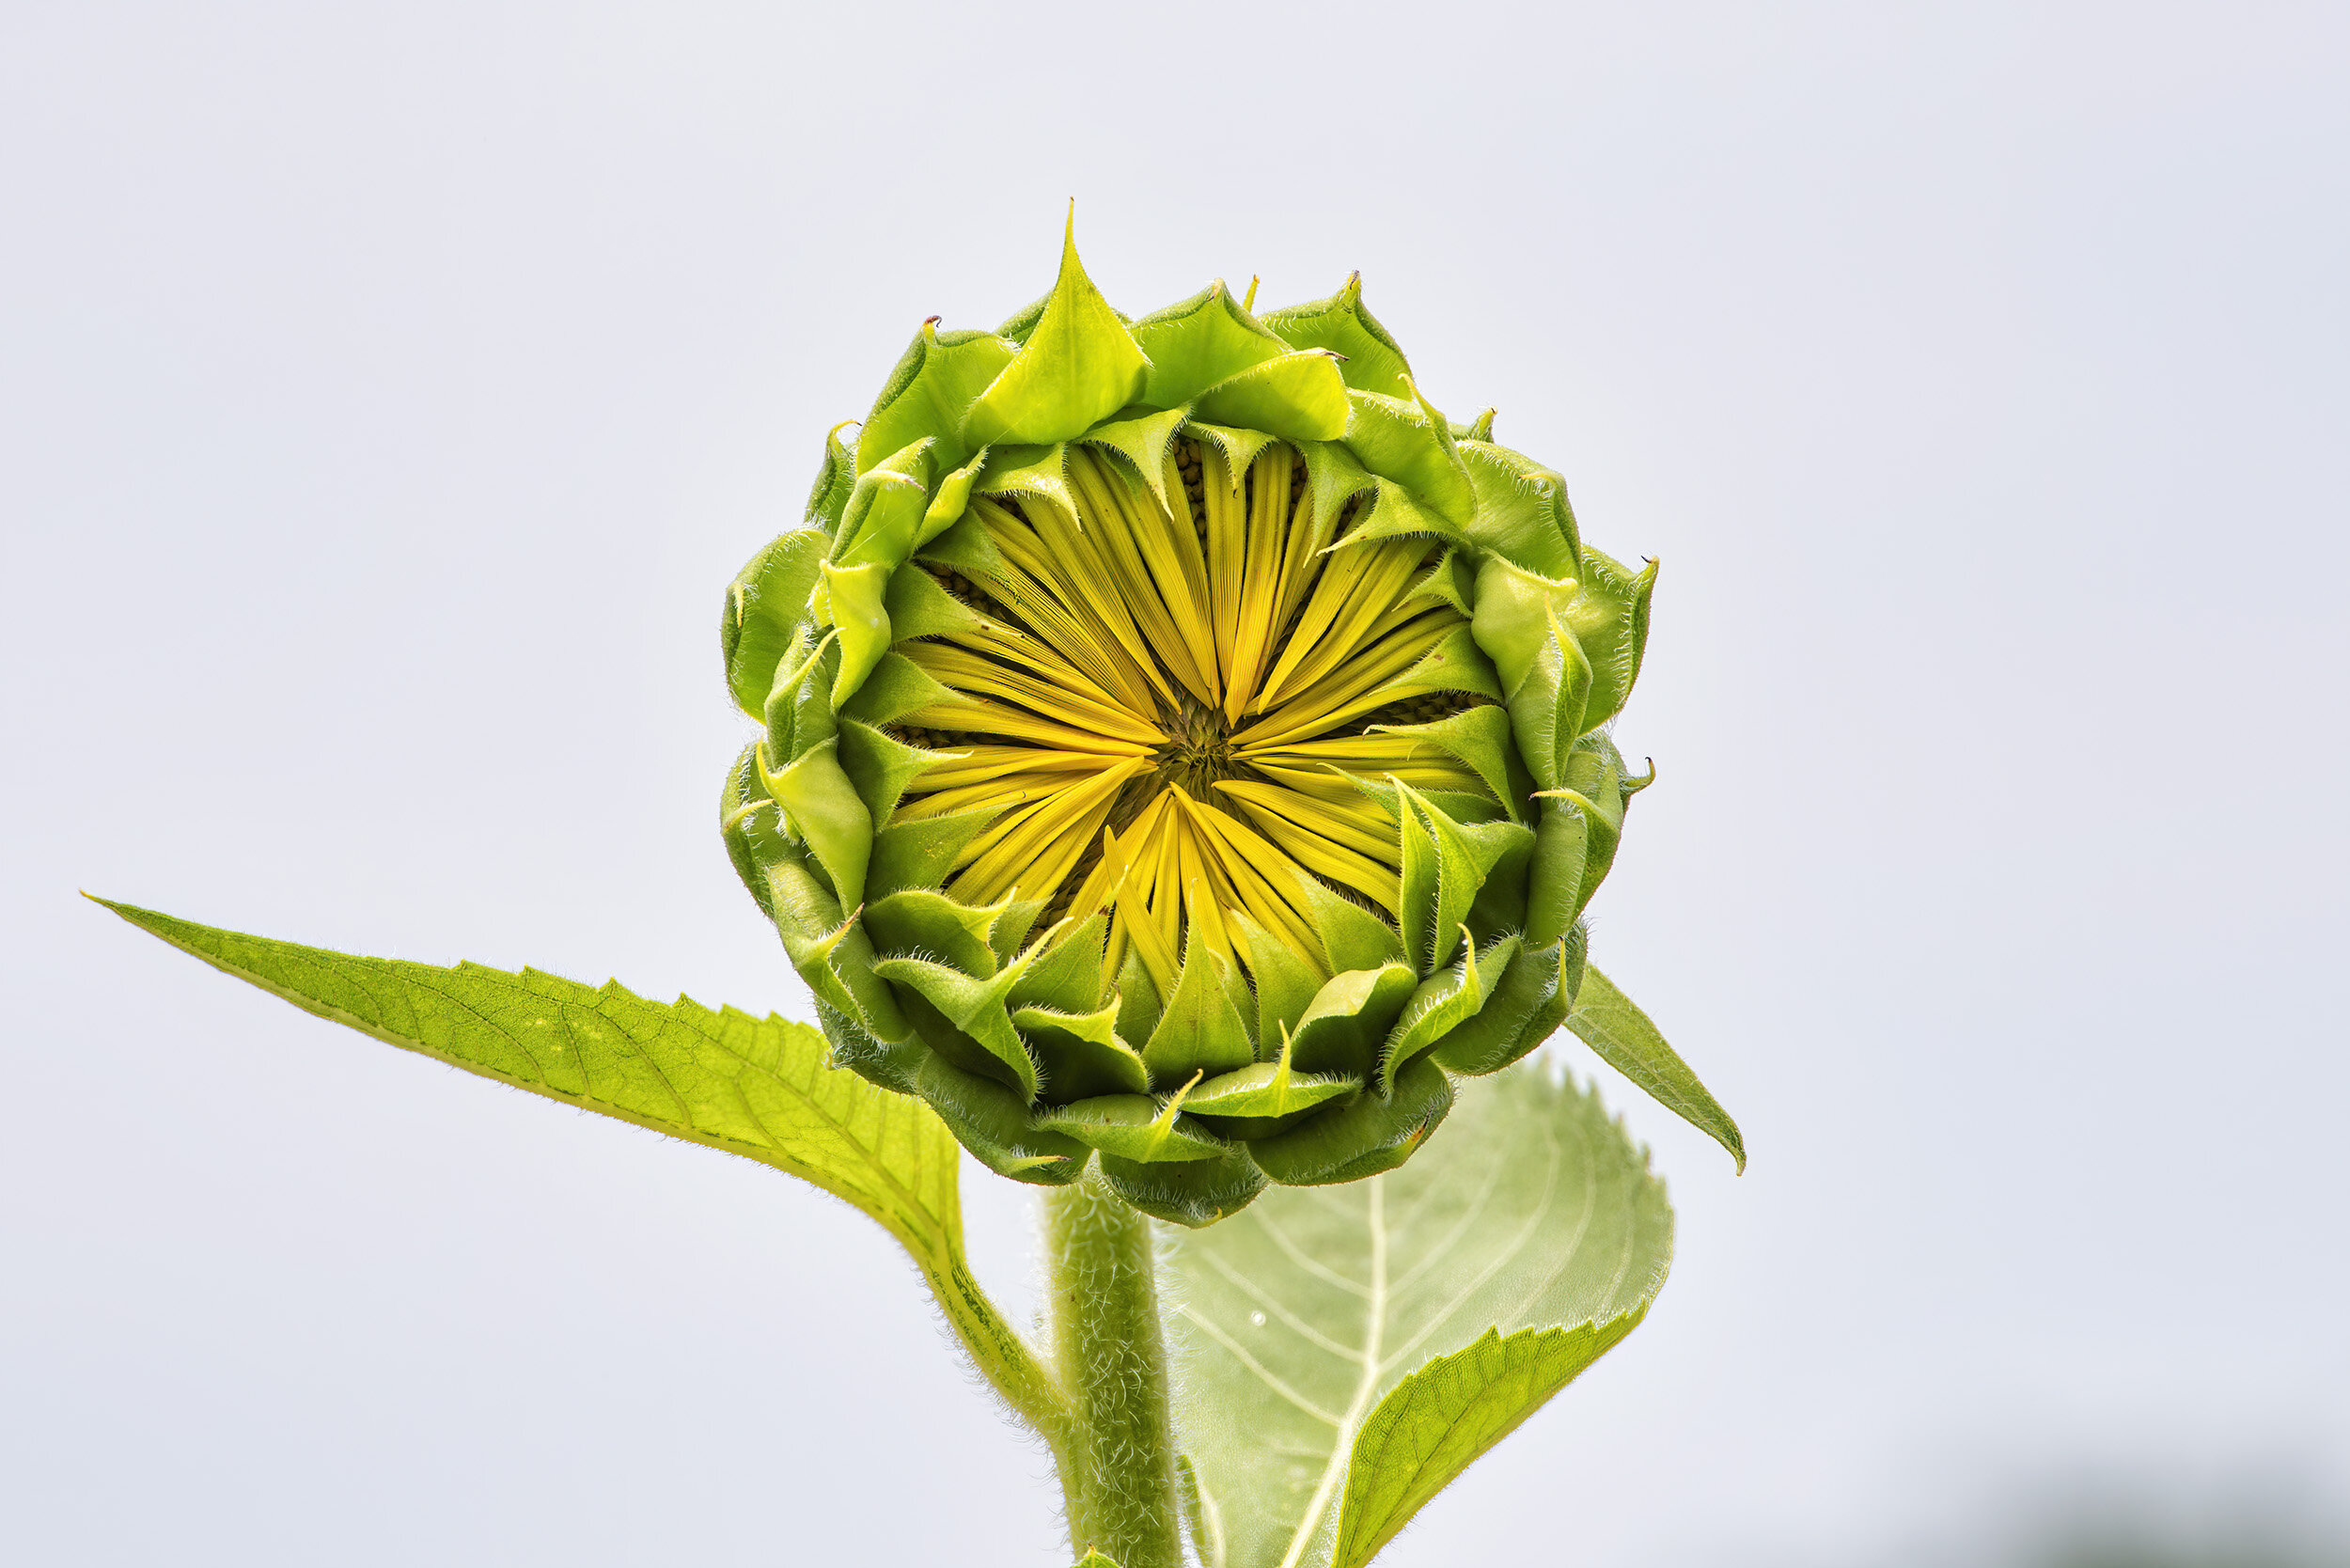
(1117, 1452)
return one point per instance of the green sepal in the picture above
(881, 767)
(1135, 1127)
(765, 605)
(1298, 397)
(823, 807)
(1456, 664)
(1403, 440)
(1371, 1134)
(855, 595)
(799, 713)
(828, 499)
(1197, 342)
(1078, 366)
(1443, 1003)
(919, 854)
(950, 500)
(1267, 1098)
(973, 1007)
(1501, 898)
(1521, 511)
(1625, 1039)
(810, 648)
(1395, 512)
(896, 687)
(1575, 963)
(886, 1064)
(751, 825)
(1143, 443)
(1373, 362)
(918, 921)
(1079, 1054)
(1137, 999)
(1526, 1004)
(1190, 1193)
(941, 375)
(1240, 446)
(1596, 789)
(1016, 327)
(1284, 980)
(1553, 878)
(1545, 679)
(991, 1122)
(1452, 582)
(1340, 1031)
(1201, 1028)
(1352, 936)
(886, 510)
(830, 950)
(918, 607)
(1479, 738)
(964, 547)
(1444, 863)
(1018, 918)
(1333, 478)
(1066, 975)
(1027, 474)
(1609, 619)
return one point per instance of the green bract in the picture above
(1180, 744)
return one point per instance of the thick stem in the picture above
(1118, 1452)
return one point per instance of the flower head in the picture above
(1181, 744)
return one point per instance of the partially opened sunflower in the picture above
(1180, 744)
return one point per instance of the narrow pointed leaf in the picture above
(1625, 1040)
(754, 1086)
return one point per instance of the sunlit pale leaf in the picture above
(1516, 1248)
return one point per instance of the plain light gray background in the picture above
(387, 392)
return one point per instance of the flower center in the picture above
(1198, 753)
(1180, 700)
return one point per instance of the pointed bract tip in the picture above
(1249, 301)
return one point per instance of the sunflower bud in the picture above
(1180, 744)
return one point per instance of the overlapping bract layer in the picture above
(1180, 744)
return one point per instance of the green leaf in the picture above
(1096, 1559)
(1330, 1380)
(1445, 1415)
(1624, 1039)
(756, 1087)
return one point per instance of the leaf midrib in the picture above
(1365, 1390)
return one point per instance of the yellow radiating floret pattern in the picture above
(1163, 703)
